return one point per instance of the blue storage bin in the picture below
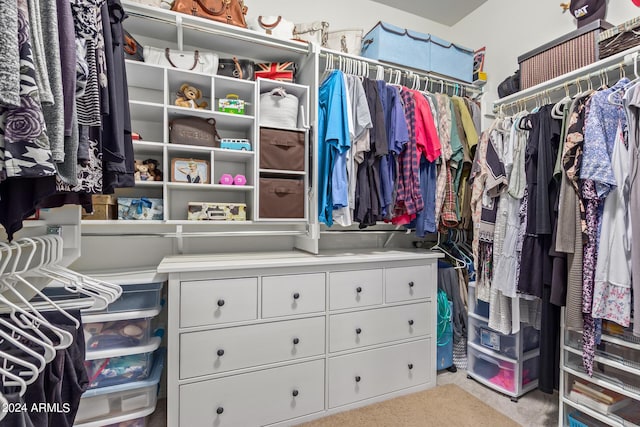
(389, 43)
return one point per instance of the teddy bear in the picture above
(188, 96)
(142, 173)
(153, 164)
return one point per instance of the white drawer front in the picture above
(210, 352)
(292, 294)
(254, 399)
(371, 373)
(363, 328)
(358, 288)
(210, 302)
(410, 283)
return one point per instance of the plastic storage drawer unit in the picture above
(122, 403)
(120, 366)
(507, 345)
(500, 373)
(118, 330)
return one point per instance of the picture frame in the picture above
(193, 171)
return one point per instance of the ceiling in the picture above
(446, 12)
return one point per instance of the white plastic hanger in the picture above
(36, 319)
(17, 381)
(17, 275)
(4, 403)
(17, 332)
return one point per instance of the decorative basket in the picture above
(620, 38)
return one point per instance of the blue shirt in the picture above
(333, 139)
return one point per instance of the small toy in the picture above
(226, 179)
(242, 144)
(142, 173)
(188, 96)
(231, 104)
(153, 164)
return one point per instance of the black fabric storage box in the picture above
(562, 55)
(281, 149)
(281, 198)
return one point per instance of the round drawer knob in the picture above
(358, 378)
(294, 393)
(220, 302)
(359, 289)
(410, 322)
(220, 353)
(411, 284)
(220, 410)
(410, 366)
(296, 296)
(358, 331)
(296, 341)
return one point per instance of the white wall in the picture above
(342, 14)
(509, 29)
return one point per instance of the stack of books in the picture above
(596, 397)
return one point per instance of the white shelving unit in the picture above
(505, 363)
(152, 93)
(616, 368)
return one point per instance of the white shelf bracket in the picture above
(179, 32)
(179, 239)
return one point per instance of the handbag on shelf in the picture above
(281, 71)
(346, 41)
(197, 60)
(315, 32)
(279, 109)
(132, 49)
(194, 131)
(275, 26)
(510, 85)
(239, 68)
(230, 12)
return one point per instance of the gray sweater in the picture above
(10, 54)
(53, 114)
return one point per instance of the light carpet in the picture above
(445, 405)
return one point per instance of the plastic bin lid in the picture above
(152, 346)
(153, 379)
(119, 277)
(120, 315)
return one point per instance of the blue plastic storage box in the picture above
(389, 43)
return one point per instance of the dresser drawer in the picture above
(409, 283)
(210, 352)
(254, 399)
(363, 328)
(371, 373)
(210, 302)
(359, 288)
(293, 294)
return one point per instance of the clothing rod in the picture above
(202, 234)
(436, 78)
(612, 63)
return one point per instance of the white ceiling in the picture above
(446, 12)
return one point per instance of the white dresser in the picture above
(283, 338)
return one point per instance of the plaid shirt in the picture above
(409, 199)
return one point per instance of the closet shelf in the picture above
(146, 111)
(199, 187)
(477, 316)
(282, 172)
(607, 419)
(161, 24)
(148, 184)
